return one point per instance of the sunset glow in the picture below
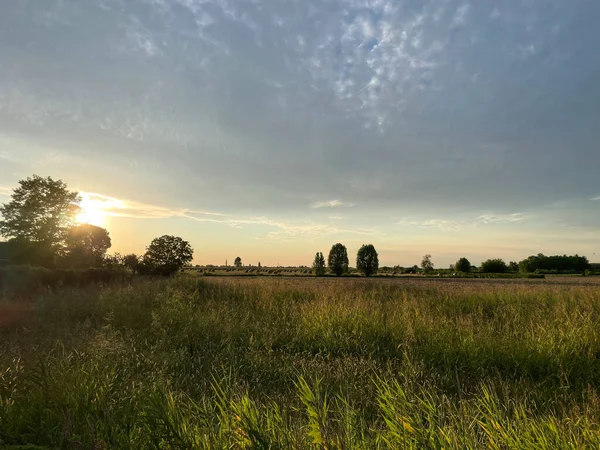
(272, 130)
(91, 213)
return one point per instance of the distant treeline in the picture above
(39, 223)
(558, 263)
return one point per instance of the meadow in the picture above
(249, 362)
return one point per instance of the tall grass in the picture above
(305, 363)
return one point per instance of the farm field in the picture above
(248, 362)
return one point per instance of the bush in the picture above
(556, 272)
(494, 266)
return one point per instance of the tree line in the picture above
(367, 261)
(40, 224)
(533, 264)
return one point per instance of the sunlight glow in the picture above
(92, 212)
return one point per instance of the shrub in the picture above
(494, 266)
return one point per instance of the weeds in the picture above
(304, 363)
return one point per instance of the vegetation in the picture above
(166, 255)
(92, 357)
(496, 265)
(38, 218)
(338, 260)
(462, 265)
(26, 281)
(86, 246)
(427, 264)
(39, 222)
(192, 362)
(564, 263)
(319, 265)
(40, 210)
(131, 262)
(367, 260)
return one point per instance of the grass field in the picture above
(196, 362)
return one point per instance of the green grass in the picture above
(302, 363)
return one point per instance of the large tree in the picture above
(427, 264)
(38, 217)
(238, 262)
(167, 254)
(462, 265)
(338, 259)
(319, 264)
(367, 260)
(86, 245)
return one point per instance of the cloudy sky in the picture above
(272, 129)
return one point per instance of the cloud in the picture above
(284, 230)
(460, 15)
(258, 108)
(332, 204)
(526, 51)
(6, 191)
(114, 207)
(441, 224)
(503, 218)
(453, 225)
(595, 198)
(6, 157)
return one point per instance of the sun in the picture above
(91, 212)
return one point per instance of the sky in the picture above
(272, 129)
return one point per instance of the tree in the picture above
(39, 215)
(86, 245)
(166, 255)
(131, 262)
(367, 260)
(556, 263)
(238, 262)
(513, 266)
(426, 264)
(338, 259)
(319, 264)
(413, 269)
(496, 265)
(114, 261)
(462, 265)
